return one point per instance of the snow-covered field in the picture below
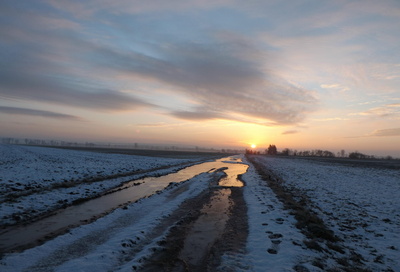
(116, 242)
(360, 204)
(34, 180)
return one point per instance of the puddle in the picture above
(231, 180)
(211, 224)
(30, 235)
(237, 168)
(207, 228)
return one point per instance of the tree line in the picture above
(272, 150)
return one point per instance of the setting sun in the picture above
(253, 146)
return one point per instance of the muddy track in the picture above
(202, 221)
(131, 247)
(195, 235)
(215, 223)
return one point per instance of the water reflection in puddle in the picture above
(214, 215)
(231, 179)
(207, 228)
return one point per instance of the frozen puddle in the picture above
(25, 236)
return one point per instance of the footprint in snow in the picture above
(274, 248)
(275, 236)
(275, 242)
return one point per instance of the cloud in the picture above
(336, 87)
(160, 125)
(390, 132)
(91, 8)
(44, 60)
(386, 132)
(330, 119)
(224, 74)
(389, 110)
(42, 113)
(290, 132)
(222, 78)
(330, 86)
(27, 87)
(20, 81)
(196, 115)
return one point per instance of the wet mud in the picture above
(207, 228)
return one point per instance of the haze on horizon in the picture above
(297, 74)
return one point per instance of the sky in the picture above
(226, 74)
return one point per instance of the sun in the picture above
(253, 146)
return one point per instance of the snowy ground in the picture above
(116, 242)
(274, 243)
(35, 180)
(361, 205)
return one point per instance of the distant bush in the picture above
(252, 152)
(307, 153)
(358, 155)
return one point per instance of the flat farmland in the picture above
(236, 212)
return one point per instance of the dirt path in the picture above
(29, 234)
(216, 224)
(188, 226)
(200, 231)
